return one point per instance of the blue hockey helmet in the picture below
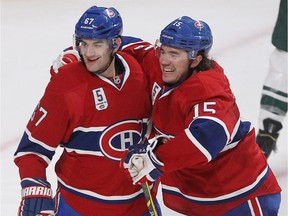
(99, 23)
(188, 34)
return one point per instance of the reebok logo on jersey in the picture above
(36, 191)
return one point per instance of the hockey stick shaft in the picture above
(149, 199)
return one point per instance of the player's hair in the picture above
(205, 64)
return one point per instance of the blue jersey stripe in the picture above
(213, 142)
(225, 198)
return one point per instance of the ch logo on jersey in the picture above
(118, 137)
(100, 100)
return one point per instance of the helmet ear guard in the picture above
(188, 34)
(113, 42)
(115, 45)
(192, 54)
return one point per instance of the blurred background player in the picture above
(274, 93)
(210, 163)
(94, 109)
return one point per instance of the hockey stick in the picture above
(146, 188)
(149, 199)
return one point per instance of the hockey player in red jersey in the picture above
(94, 109)
(209, 162)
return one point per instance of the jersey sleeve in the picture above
(145, 55)
(212, 125)
(137, 48)
(44, 132)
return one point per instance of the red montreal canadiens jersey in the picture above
(94, 120)
(212, 162)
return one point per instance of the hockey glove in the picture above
(142, 164)
(67, 56)
(36, 198)
(267, 138)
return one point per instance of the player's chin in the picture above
(168, 78)
(92, 67)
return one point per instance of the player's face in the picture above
(96, 55)
(174, 64)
